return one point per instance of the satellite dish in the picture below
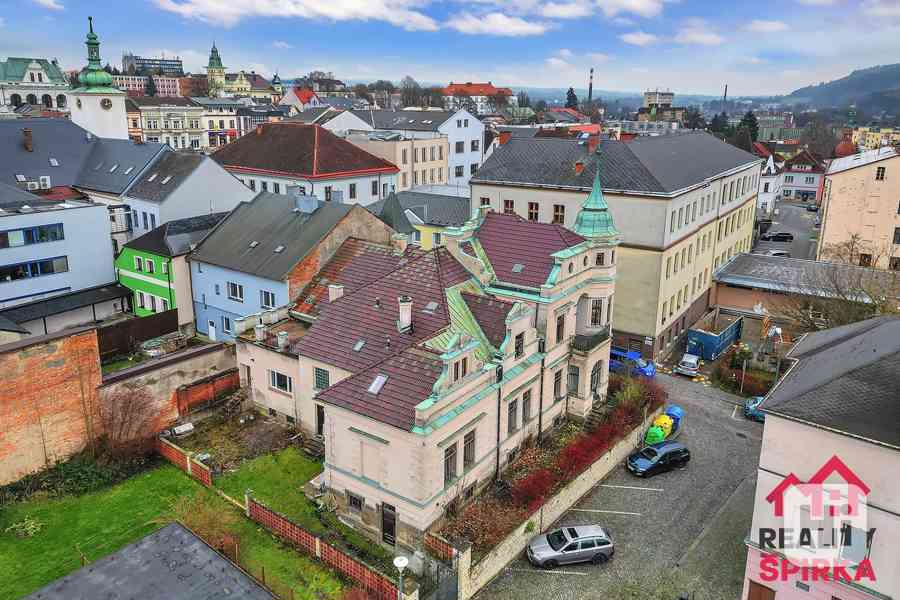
(401, 562)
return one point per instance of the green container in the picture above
(654, 435)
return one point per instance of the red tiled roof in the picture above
(475, 89)
(60, 192)
(569, 111)
(760, 149)
(411, 375)
(805, 157)
(490, 313)
(304, 95)
(356, 264)
(299, 149)
(509, 240)
(357, 318)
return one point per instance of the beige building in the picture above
(426, 371)
(684, 205)
(422, 160)
(177, 122)
(861, 216)
(872, 138)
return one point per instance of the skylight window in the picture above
(97, 168)
(279, 249)
(113, 168)
(54, 162)
(20, 178)
(378, 383)
(430, 307)
(359, 345)
(254, 244)
(129, 170)
(152, 177)
(518, 268)
(167, 179)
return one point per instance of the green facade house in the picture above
(154, 268)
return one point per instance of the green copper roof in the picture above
(215, 61)
(594, 219)
(93, 76)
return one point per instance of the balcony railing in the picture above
(585, 342)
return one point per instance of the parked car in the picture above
(688, 365)
(583, 543)
(629, 362)
(764, 225)
(777, 236)
(752, 411)
(782, 253)
(658, 458)
(812, 207)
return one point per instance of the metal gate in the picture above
(440, 580)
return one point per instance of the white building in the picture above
(33, 81)
(483, 98)
(97, 105)
(177, 122)
(771, 180)
(220, 118)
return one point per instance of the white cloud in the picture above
(565, 10)
(281, 45)
(564, 53)
(882, 8)
(639, 38)
(229, 13)
(622, 21)
(641, 8)
(762, 26)
(495, 24)
(555, 62)
(817, 2)
(598, 57)
(698, 32)
(49, 4)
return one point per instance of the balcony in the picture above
(586, 342)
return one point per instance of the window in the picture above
(226, 322)
(865, 260)
(573, 379)
(668, 267)
(164, 303)
(138, 263)
(897, 235)
(459, 122)
(662, 319)
(469, 450)
(596, 312)
(266, 299)
(879, 174)
(512, 417)
(146, 220)
(520, 345)
(264, 186)
(322, 379)
(327, 193)
(474, 146)
(601, 259)
(694, 212)
(354, 502)
(533, 211)
(151, 267)
(35, 268)
(403, 156)
(559, 214)
(459, 171)
(375, 188)
(436, 238)
(449, 464)
(894, 263)
(235, 291)
(460, 147)
(152, 221)
(252, 183)
(465, 122)
(141, 301)
(485, 201)
(460, 368)
(526, 406)
(473, 168)
(680, 217)
(672, 223)
(281, 382)
(789, 179)
(809, 180)
(557, 384)
(352, 191)
(509, 207)
(560, 328)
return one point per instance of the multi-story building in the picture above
(248, 117)
(278, 155)
(426, 372)
(324, 83)
(485, 98)
(804, 178)
(300, 99)
(872, 138)
(140, 65)
(827, 466)
(136, 85)
(640, 127)
(421, 160)
(464, 133)
(684, 204)
(220, 83)
(262, 255)
(177, 122)
(220, 118)
(658, 106)
(771, 180)
(35, 81)
(426, 217)
(861, 210)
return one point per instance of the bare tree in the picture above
(127, 417)
(463, 100)
(498, 101)
(410, 92)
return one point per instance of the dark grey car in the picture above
(582, 543)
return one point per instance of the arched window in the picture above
(61, 101)
(31, 99)
(32, 77)
(596, 373)
(47, 100)
(16, 100)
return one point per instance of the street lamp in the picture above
(400, 563)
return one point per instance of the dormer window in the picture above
(601, 259)
(460, 368)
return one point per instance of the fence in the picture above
(182, 459)
(376, 585)
(202, 392)
(439, 547)
(122, 336)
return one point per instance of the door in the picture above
(569, 554)
(212, 330)
(587, 549)
(760, 592)
(388, 524)
(320, 419)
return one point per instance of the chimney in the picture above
(28, 141)
(335, 291)
(259, 332)
(259, 129)
(282, 340)
(399, 242)
(302, 202)
(592, 142)
(404, 324)
(504, 137)
(579, 166)
(377, 302)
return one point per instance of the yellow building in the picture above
(875, 137)
(241, 83)
(684, 204)
(421, 160)
(423, 217)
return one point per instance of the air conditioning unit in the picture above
(45, 182)
(32, 186)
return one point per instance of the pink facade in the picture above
(795, 586)
(134, 85)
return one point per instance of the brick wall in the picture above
(48, 400)
(439, 546)
(181, 459)
(202, 392)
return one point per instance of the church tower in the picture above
(215, 73)
(97, 105)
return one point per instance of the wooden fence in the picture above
(123, 336)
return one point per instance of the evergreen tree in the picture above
(571, 99)
(693, 119)
(150, 87)
(749, 122)
(719, 124)
(523, 98)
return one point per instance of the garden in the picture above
(542, 469)
(734, 374)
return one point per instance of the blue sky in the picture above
(690, 46)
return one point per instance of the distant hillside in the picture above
(857, 87)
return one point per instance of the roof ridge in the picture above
(642, 163)
(315, 161)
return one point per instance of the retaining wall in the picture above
(182, 459)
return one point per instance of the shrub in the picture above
(485, 523)
(655, 394)
(531, 490)
(615, 384)
(26, 528)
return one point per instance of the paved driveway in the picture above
(655, 521)
(793, 218)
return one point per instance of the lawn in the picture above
(123, 363)
(100, 523)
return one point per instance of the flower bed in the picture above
(729, 372)
(540, 471)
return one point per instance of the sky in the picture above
(757, 47)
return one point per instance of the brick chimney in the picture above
(592, 142)
(27, 140)
(335, 291)
(504, 137)
(259, 129)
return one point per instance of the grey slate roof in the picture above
(175, 165)
(270, 220)
(846, 379)
(96, 175)
(55, 305)
(312, 115)
(432, 209)
(175, 238)
(655, 164)
(410, 120)
(169, 563)
(394, 215)
(53, 138)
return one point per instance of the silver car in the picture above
(582, 543)
(688, 365)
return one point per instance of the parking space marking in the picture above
(546, 572)
(610, 512)
(734, 411)
(630, 487)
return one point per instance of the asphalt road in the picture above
(793, 218)
(656, 521)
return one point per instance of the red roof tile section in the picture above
(304, 95)
(510, 240)
(475, 89)
(411, 375)
(299, 149)
(490, 314)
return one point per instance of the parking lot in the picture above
(792, 218)
(668, 522)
